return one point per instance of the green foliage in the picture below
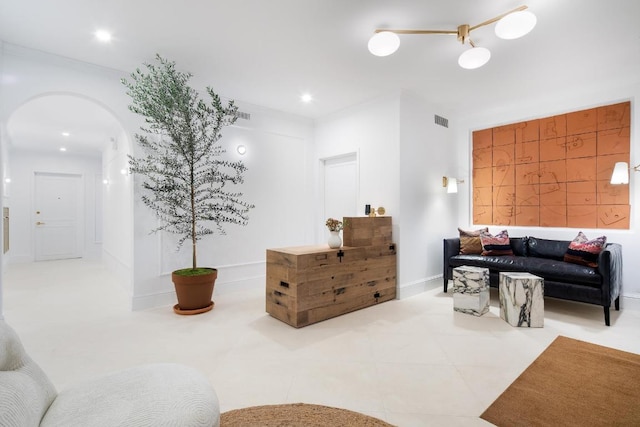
(186, 181)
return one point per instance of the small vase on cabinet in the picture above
(335, 241)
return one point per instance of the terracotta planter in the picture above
(194, 292)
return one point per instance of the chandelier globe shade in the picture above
(384, 43)
(515, 25)
(473, 58)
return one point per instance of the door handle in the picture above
(39, 223)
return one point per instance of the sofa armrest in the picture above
(451, 248)
(610, 267)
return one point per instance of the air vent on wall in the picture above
(242, 115)
(441, 121)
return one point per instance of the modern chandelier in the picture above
(510, 25)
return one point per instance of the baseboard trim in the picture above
(417, 287)
(230, 279)
(630, 302)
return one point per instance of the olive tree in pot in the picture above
(187, 182)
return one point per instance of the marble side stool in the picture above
(522, 299)
(471, 290)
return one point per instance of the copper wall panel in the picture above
(583, 145)
(554, 171)
(614, 141)
(553, 149)
(528, 131)
(613, 216)
(553, 127)
(584, 121)
(527, 216)
(581, 193)
(527, 152)
(614, 116)
(482, 139)
(582, 216)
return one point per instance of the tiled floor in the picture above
(411, 362)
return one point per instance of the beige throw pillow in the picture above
(470, 241)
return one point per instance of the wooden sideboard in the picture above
(308, 284)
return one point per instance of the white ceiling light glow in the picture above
(384, 43)
(306, 98)
(510, 25)
(516, 25)
(103, 36)
(474, 58)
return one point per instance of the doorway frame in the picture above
(346, 157)
(80, 211)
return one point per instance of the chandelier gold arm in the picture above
(379, 30)
(497, 18)
(463, 30)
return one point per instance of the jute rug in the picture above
(572, 383)
(298, 415)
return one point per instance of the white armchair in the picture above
(149, 395)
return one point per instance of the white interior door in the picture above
(340, 187)
(58, 216)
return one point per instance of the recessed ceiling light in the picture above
(241, 149)
(63, 149)
(65, 134)
(306, 98)
(103, 35)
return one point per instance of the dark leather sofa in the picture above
(544, 258)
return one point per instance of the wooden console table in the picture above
(308, 284)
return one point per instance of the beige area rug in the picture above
(572, 383)
(297, 414)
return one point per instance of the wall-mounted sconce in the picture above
(451, 184)
(7, 180)
(105, 181)
(241, 150)
(620, 173)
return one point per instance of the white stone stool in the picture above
(471, 290)
(522, 299)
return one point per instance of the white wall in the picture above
(117, 203)
(427, 212)
(549, 104)
(4, 173)
(29, 74)
(402, 156)
(24, 165)
(372, 131)
(279, 182)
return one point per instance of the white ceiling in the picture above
(269, 52)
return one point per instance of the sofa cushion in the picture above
(519, 245)
(544, 248)
(548, 269)
(470, 241)
(584, 251)
(496, 245)
(564, 272)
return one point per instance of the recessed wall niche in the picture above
(554, 171)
